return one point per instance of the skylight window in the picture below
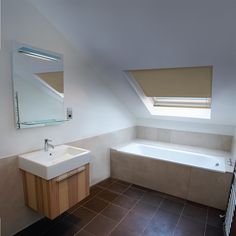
(180, 92)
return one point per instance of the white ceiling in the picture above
(135, 34)
(147, 33)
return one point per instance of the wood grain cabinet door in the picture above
(55, 196)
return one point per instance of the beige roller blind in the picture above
(53, 79)
(175, 82)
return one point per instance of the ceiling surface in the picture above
(130, 34)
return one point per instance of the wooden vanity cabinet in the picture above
(53, 197)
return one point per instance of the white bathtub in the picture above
(191, 173)
(213, 160)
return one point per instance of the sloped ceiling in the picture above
(138, 34)
(147, 33)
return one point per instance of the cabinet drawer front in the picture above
(69, 174)
(55, 196)
(68, 189)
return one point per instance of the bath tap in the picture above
(47, 145)
(230, 162)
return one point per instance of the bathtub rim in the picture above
(184, 148)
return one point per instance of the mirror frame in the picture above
(41, 54)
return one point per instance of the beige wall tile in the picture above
(13, 213)
(163, 135)
(100, 151)
(212, 141)
(227, 142)
(140, 132)
(150, 133)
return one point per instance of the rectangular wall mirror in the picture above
(38, 82)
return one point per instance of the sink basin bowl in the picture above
(55, 162)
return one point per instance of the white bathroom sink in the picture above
(55, 162)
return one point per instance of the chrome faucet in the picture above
(230, 162)
(47, 145)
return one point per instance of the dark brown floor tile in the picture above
(152, 198)
(96, 204)
(145, 209)
(106, 183)
(95, 190)
(62, 228)
(175, 199)
(124, 183)
(37, 228)
(172, 206)
(140, 187)
(83, 233)
(118, 188)
(80, 217)
(195, 212)
(107, 195)
(134, 192)
(120, 231)
(75, 207)
(155, 214)
(213, 231)
(196, 204)
(134, 222)
(100, 225)
(155, 230)
(187, 227)
(164, 219)
(60, 217)
(156, 193)
(213, 217)
(114, 212)
(86, 199)
(124, 202)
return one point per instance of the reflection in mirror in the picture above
(38, 81)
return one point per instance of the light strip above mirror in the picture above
(38, 54)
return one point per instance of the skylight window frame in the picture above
(182, 102)
(175, 112)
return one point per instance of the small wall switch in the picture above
(69, 113)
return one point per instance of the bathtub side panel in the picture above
(198, 185)
(209, 188)
(150, 173)
(158, 175)
(178, 177)
(121, 166)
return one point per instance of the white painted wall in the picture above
(95, 108)
(223, 113)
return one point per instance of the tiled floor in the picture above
(118, 208)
